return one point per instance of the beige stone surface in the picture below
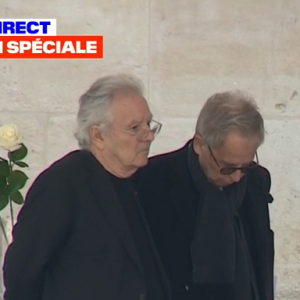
(60, 137)
(174, 134)
(184, 51)
(212, 45)
(280, 154)
(288, 283)
(52, 86)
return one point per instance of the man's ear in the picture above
(198, 143)
(96, 137)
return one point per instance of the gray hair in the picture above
(230, 111)
(95, 104)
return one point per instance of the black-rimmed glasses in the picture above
(231, 170)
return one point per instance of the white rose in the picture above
(10, 138)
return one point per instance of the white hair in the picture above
(95, 104)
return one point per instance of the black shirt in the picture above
(128, 198)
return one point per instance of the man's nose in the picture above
(150, 136)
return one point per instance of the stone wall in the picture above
(184, 51)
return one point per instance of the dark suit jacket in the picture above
(166, 193)
(72, 240)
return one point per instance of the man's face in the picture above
(236, 152)
(126, 151)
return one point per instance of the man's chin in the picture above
(219, 184)
(143, 161)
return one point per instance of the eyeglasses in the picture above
(231, 170)
(142, 133)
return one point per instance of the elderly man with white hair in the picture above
(81, 234)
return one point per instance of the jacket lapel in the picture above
(110, 205)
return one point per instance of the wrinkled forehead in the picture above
(128, 108)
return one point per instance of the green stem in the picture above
(11, 164)
(11, 213)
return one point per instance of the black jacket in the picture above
(72, 240)
(166, 193)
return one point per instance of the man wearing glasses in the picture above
(207, 206)
(81, 234)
